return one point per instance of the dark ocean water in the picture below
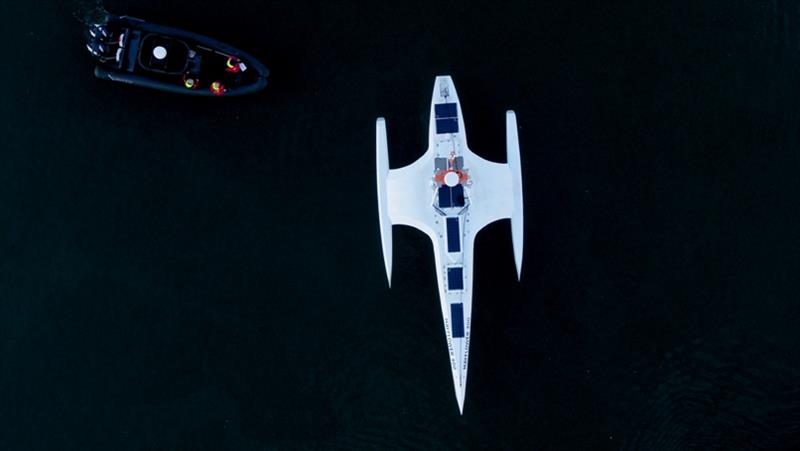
(192, 274)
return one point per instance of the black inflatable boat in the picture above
(136, 52)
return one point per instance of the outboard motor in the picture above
(98, 32)
(101, 51)
(96, 49)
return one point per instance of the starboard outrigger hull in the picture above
(450, 194)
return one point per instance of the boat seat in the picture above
(133, 43)
(195, 63)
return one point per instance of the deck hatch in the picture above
(453, 235)
(455, 278)
(457, 320)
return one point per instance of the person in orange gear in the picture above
(217, 88)
(232, 65)
(190, 82)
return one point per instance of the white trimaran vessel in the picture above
(450, 194)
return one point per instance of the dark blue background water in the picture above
(194, 274)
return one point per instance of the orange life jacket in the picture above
(217, 88)
(232, 65)
(189, 82)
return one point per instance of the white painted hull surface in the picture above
(450, 194)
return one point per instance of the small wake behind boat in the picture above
(136, 52)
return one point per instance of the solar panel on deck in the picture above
(453, 235)
(455, 278)
(457, 320)
(445, 110)
(444, 126)
(451, 197)
(446, 117)
(457, 193)
(445, 201)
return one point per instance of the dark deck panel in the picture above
(455, 278)
(445, 126)
(445, 201)
(446, 118)
(453, 235)
(457, 193)
(451, 197)
(457, 320)
(445, 110)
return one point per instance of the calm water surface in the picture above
(191, 274)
